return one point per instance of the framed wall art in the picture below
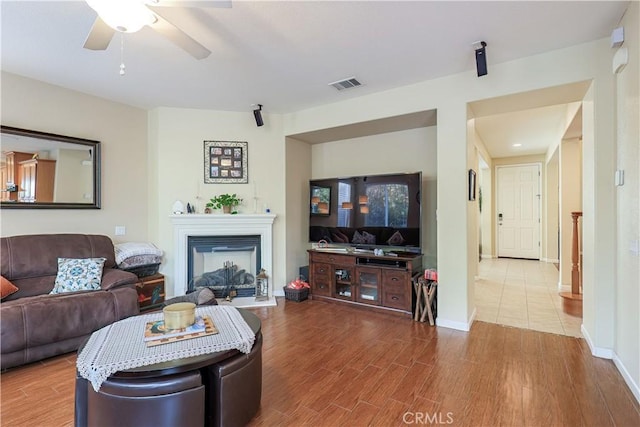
(225, 162)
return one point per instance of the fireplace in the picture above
(244, 240)
(226, 264)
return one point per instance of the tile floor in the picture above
(524, 294)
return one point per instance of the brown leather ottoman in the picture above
(237, 388)
(172, 400)
(219, 389)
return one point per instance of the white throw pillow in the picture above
(83, 274)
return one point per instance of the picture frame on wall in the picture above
(472, 185)
(226, 162)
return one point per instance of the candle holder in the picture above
(262, 286)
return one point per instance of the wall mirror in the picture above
(320, 200)
(47, 171)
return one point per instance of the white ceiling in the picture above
(283, 54)
(524, 132)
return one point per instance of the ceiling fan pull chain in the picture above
(122, 54)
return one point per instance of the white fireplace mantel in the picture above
(187, 225)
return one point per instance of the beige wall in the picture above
(449, 96)
(551, 207)
(473, 210)
(178, 151)
(139, 199)
(486, 219)
(405, 151)
(627, 296)
(298, 174)
(73, 179)
(570, 201)
(122, 131)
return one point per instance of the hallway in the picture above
(523, 294)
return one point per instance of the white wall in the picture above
(177, 144)
(627, 297)
(405, 151)
(122, 131)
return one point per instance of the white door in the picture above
(519, 211)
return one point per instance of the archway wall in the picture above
(449, 96)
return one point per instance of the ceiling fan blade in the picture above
(180, 38)
(100, 36)
(192, 3)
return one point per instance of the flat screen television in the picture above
(367, 212)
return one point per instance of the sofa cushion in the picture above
(395, 239)
(37, 255)
(113, 278)
(338, 237)
(78, 274)
(6, 287)
(46, 319)
(364, 238)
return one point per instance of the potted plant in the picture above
(226, 202)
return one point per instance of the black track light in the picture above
(257, 114)
(481, 57)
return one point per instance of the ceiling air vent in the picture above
(347, 83)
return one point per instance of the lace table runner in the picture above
(120, 346)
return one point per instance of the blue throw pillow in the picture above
(84, 274)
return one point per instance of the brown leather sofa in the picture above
(36, 325)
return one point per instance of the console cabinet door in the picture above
(321, 279)
(368, 285)
(396, 289)
(343, 283)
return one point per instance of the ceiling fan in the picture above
(129, 16)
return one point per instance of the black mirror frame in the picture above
(95, 146)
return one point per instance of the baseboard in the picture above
(603, 353)
(472, 318)
(452, 324)
(627, 377)
(483, 256)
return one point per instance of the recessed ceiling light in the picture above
(517, 145)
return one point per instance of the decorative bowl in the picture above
(179, 315)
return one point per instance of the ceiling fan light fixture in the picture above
(126, 16)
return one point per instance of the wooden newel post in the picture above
(575, 255)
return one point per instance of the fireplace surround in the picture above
(190, 225)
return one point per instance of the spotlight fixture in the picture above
(481, 58)
(257, 114)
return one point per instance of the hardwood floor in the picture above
(329, 365)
